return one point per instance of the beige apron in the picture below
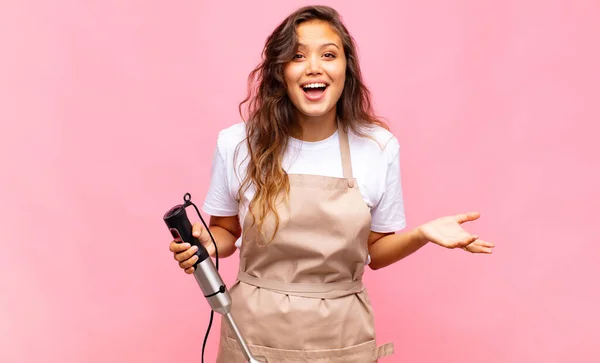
(301, 298)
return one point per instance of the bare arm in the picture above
(225, 230)
(388, 248)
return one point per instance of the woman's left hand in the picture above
(448, 232)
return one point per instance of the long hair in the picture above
(270, 113)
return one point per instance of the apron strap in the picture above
(345, 153)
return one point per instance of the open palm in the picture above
(448, 232)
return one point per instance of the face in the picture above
(315, 77)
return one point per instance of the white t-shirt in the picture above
(375, 165)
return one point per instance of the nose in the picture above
(313, 66)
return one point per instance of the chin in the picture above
(316, 110)
(311, 112)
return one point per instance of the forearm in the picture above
(225, 241)
(394, 247)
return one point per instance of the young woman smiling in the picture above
(308, 189)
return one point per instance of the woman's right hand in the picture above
(185, 253)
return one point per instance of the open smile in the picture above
(314, 91)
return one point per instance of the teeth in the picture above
(314, 85)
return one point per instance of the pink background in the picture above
(109, 114)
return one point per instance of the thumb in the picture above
(199, 232)
(210, 248)
(466, 217)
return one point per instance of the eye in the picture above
(298, 55)
(329, 55)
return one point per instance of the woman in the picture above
(309, 190)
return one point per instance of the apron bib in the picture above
(301, 298)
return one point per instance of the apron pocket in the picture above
(368, 352)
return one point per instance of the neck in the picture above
(315, 128)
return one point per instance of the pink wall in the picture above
(110, 110)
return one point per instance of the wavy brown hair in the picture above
(271, 116)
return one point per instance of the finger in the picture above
(189, 270)
(189, 262)
(466, 217)
(466, 240)
(486, 244)
(482, 243)
(187, 254)
(485, 250)
(178, 247)
(476, 248)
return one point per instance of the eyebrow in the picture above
(322, 46)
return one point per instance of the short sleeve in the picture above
(219, 201)
(388, 214)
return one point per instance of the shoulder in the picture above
(376, 139)
(230, 137)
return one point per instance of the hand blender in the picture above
(205, 272)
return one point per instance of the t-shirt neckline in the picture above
(297, 143)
